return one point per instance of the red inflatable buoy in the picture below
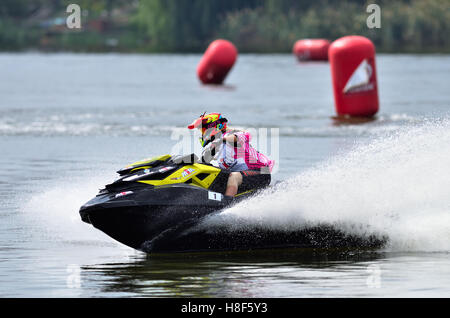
(353, 71)
(311, 49)
(217, 61)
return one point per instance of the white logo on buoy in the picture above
(360, 79)
(305, 55)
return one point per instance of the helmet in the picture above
(210, 125)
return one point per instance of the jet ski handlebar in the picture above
(192, 158)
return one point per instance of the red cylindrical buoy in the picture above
(311, 49)
(217, 62)
(353, 71)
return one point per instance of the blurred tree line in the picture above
(253, 25)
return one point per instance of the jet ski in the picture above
(156, 206)
(157, 194)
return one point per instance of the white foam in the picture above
(52, 212)
(397, 186)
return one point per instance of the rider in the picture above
(249, 168)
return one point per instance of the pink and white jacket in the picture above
(244, 156)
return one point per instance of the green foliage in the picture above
(415, 25)
(183, 24)
(16, 9)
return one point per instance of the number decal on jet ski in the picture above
(214, 196)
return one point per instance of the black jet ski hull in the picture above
(187, 238)
(138, 226)
(140, 217)
(176, 229)
(145, 230)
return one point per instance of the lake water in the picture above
(69, 121)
